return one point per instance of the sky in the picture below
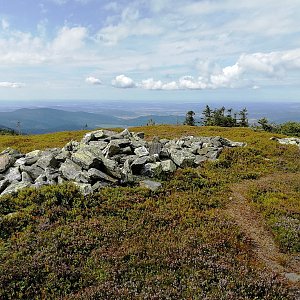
(148, 50)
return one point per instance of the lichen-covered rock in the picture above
(138, 164)
(15, 187)
(168, 166)
(70, 170)
(111, 168)
(85, 188)
(13, 175)
(141, 151)
(25, 177)
(86, 159)
(47, 161)
(182, 158)
(12, 152)
(152, 169)
(6, 161)
(34, 171)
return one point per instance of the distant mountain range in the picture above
(43, 120)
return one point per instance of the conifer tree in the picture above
(189, 118)
(243, 118)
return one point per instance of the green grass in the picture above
(131, 243)
(278, 199)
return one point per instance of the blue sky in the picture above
(150, 49)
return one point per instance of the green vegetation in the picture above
(278, 199)
(288, 128)
(132, 243)
(224, 117)
(7, 131)
(189, 118)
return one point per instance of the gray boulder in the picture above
(3, 185)
(111, 168)
(101, 145)
(152, 169)
(289, 141)
(86, 159)
(12, 152)
(84, 188)
(13, 175)
(168, 166)
(62, 156)
(70, 170)
(155, 148)
(152, 185)
(15, 187)
(34, 171)
(47, 161)
(138, 164)
(87, 138)
(6, 161)
(182, 158)
(72, 146)
(26, 177)
(100, 185)
(141, 151)
(96, 175)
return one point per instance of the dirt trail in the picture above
(253, 225)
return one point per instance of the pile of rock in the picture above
(105, 158)
(288, 141)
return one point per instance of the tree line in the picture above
(227, 118)
(219, 117)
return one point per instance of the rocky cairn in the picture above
(105, 158)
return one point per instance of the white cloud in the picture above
(170, 86)
(130, 24)
(14, 85)
(151, 84)
(189, 83)
(93, 80)
(4, 24)
(227, 77)
(69, 39)
(123, 82)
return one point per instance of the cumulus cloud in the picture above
(243, 73)
(93, 80)
(123, 82)
(13, 85)
(248, 66)
(227, 77)
(151, 84)
(189, 83)
(69, 39)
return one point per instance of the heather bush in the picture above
(132, 243)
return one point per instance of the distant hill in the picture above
(46, 120)
(4, 130)
(143, 120)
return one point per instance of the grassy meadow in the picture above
(179, 242)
